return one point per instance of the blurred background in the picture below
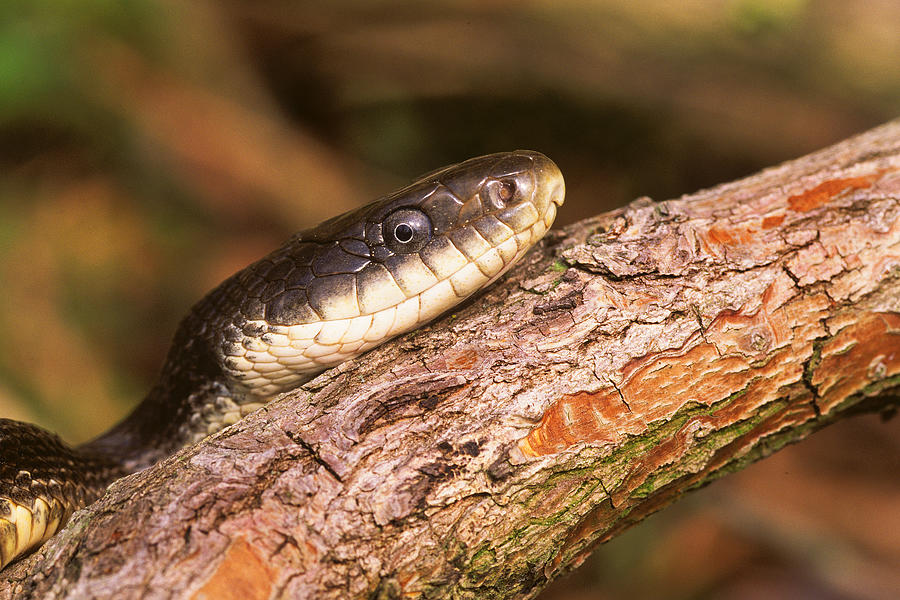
(149, 148)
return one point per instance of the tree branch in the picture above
(636, 356)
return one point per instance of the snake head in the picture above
(484, 214)
(435, 242)
(355, 281)
(517, 188)
(506, 186)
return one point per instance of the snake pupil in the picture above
(404, 233)
(406, 230)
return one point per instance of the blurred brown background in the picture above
(150, 148)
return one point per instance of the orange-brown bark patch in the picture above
(772, 221)
(600, 417)
(729, 236)
(461, 360)
(658, 389)
(760, 353)
(605, 518)
(799, 410)
(764, 384)
(860, 354)
(822, 193)
(241, 575)
(654, 388)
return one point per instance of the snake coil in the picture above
(326, 295)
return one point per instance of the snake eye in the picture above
(406, 230)
(500, 192)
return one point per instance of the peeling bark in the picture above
(633, 357)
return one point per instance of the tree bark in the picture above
(631, 358)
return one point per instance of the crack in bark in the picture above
(298, 439)
(621, 395)
(809, 367)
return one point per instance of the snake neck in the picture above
(191, 399)
(155, 429)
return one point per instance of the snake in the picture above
(328, 294)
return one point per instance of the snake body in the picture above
(326, 295)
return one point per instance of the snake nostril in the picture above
(506, 191)
(499, 192)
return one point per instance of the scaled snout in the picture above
(550, 187)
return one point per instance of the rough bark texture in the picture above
(634, 357)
